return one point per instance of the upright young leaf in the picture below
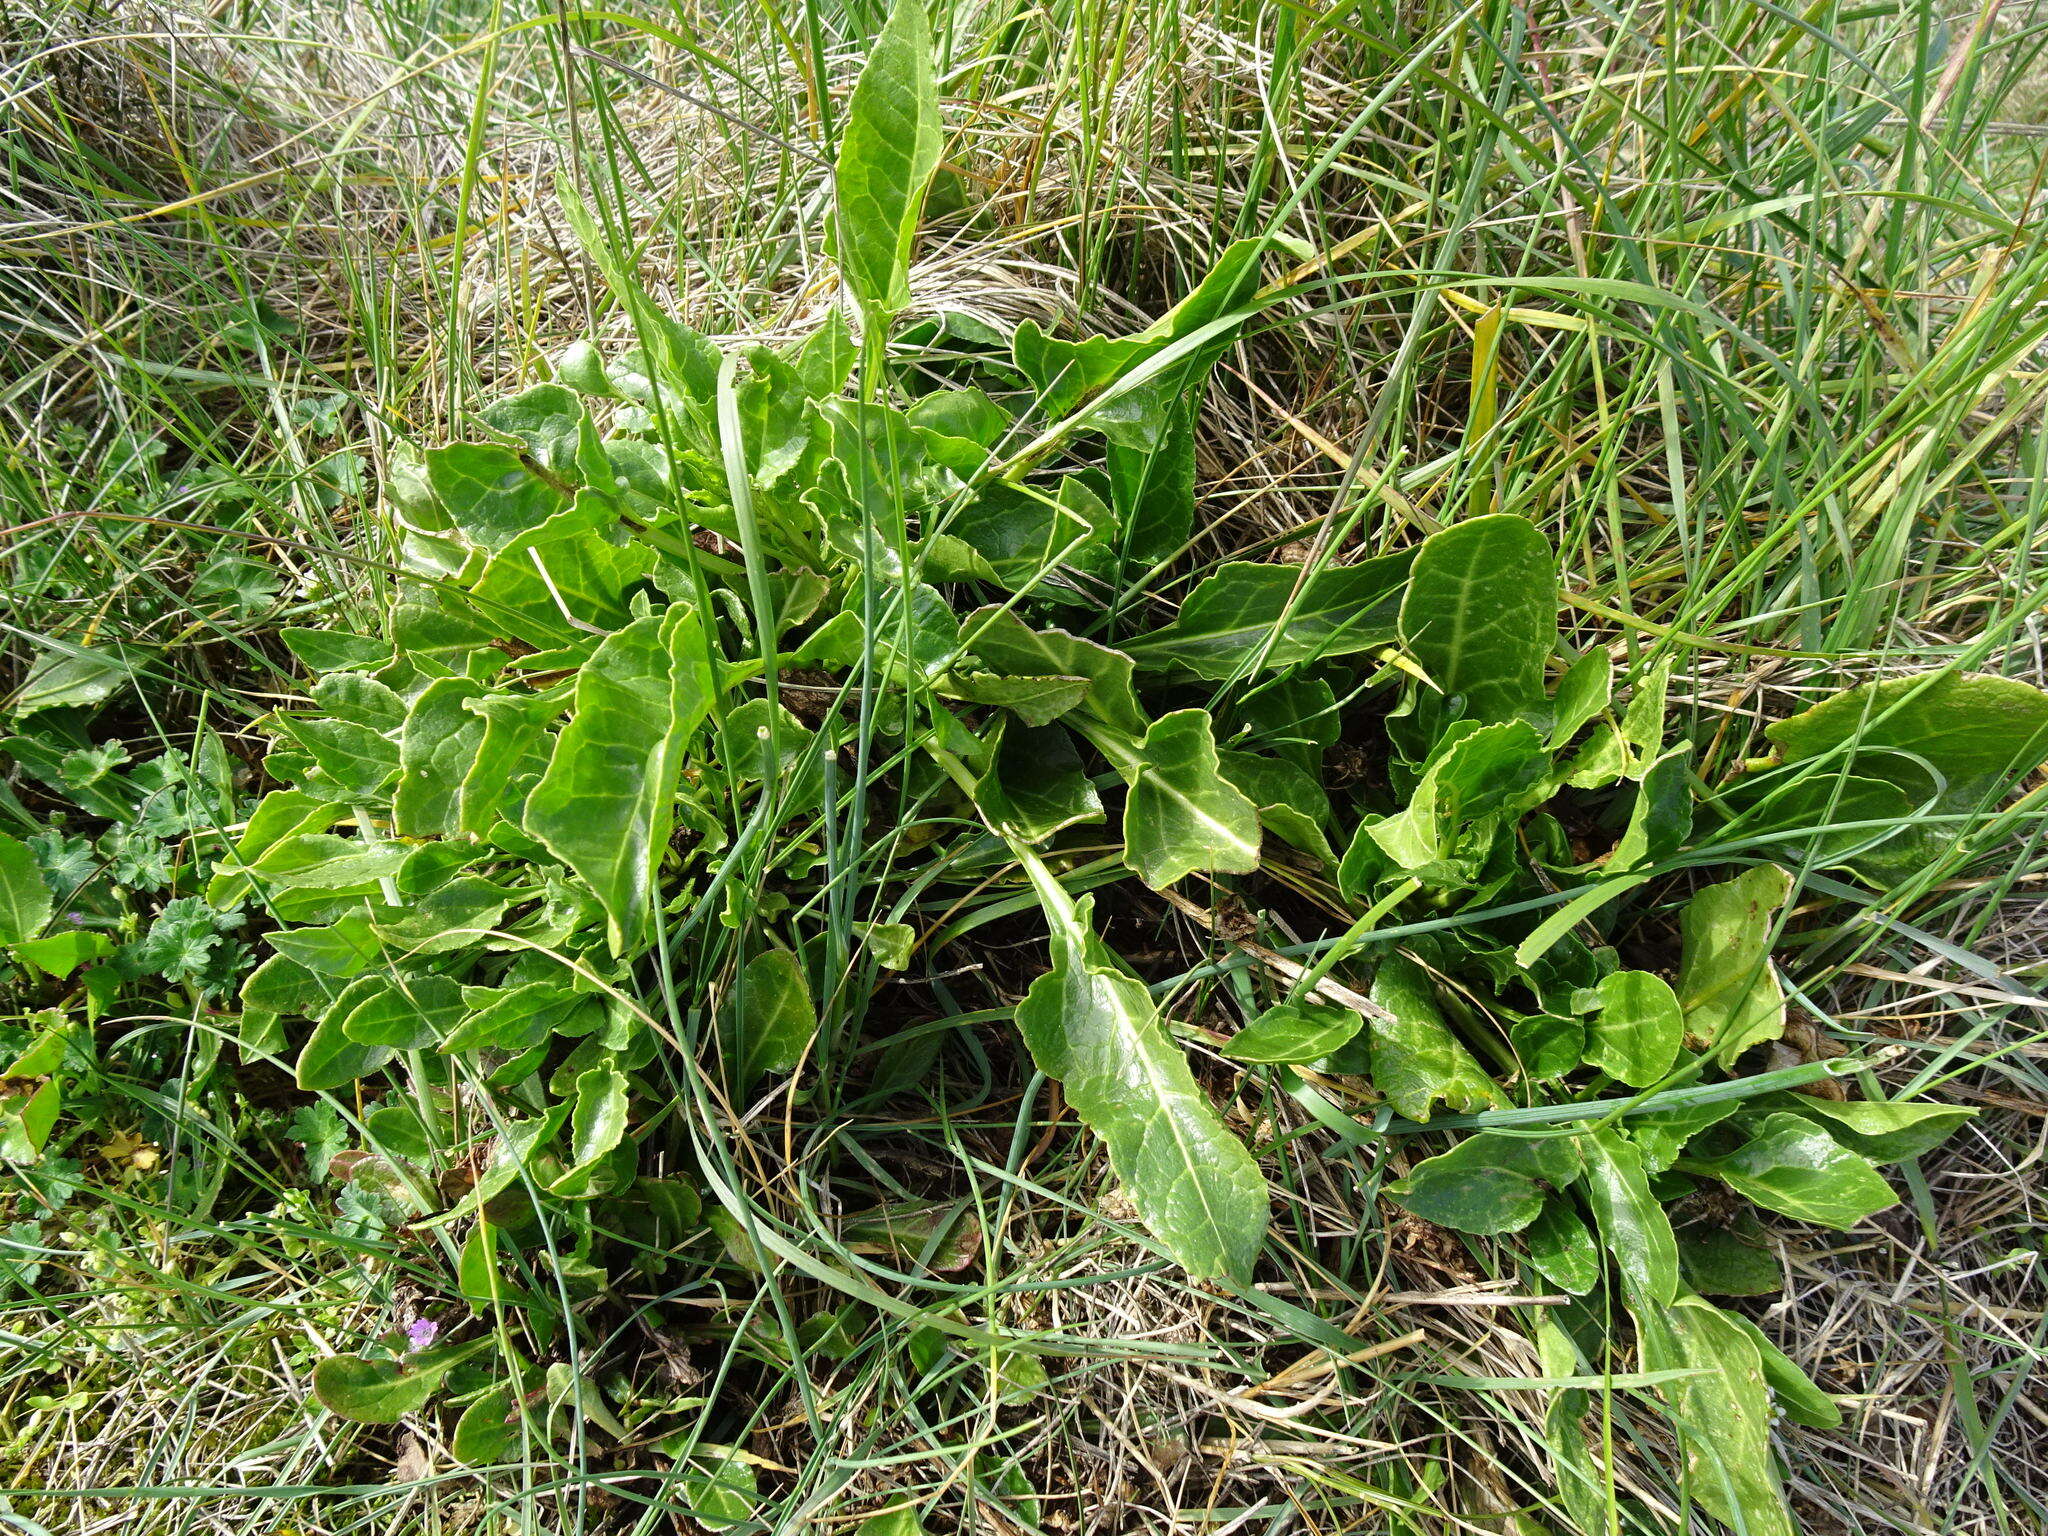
(769, 1021)
(24, 898)
(1092, 1026)
(605, 805)
(1730, 994)
(598, 1122)
(1497, 770)
(887, 154)
(1480, 614)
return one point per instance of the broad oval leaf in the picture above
(769, 1020)
(1636, 1035)
(1480, 614)
(1792, 1166)
(371, 1391)
(1288, 1033)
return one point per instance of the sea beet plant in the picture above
(725, 684)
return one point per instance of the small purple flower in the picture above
(420, 1332)
(77, 919)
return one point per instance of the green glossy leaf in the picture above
(1416, 1061)
(1660, 1136)
(1289, 1033)
(1480, 614)
(1138, 416)
(357, 758)
(455, 916)
(887, 153)
(1726, 986)
(280, 814)
(1981, 734)
(716, 1488)
(1817, 817)
(1153, 490)
(1636, 1035)
(1661, 819)
(1547, 1045)
(1006, 645)
(900, 1521)
(70, 680)
(1583, 694)
(1290, 799)
(605, 805)
(1249, 618)
(1633, 1227)
(26, 1122)
(491, 1430)
(1488, 1184)
(510, 757)
(371, 1391)
(282, 985)
(1034, 700)
(1477, 775)
(768, 1021)
(385, 1391)
(436, 748)
(1792, 1166)
(330, 1059)
(1093, 1027)
(1021, 534)
(59, 954)
(1585, 1485)
(564, 583)
(1721, 1413)
(413, 1013)
(1882, 1132)
(1035, 784)
(1182, 814)
(1561, 1247)
(24, 898)
(511, 1018)
(890, 943)
(489, 493)
(597, 1124)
